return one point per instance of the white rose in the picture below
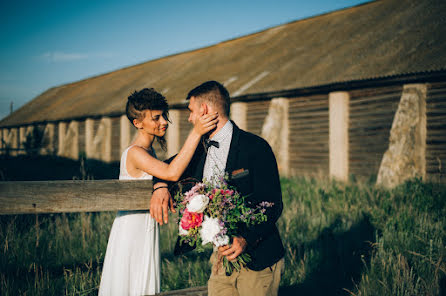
(198, 203)
(209, 229)
(221, 240)
(182, 231)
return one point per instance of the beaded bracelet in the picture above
(159, 188)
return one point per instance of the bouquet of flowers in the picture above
(211, 213)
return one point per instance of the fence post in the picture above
(89, 137)
(125, 133)
(61, 138)
(173, 133)
(275, 131)
(406, 156)
(22, 139)
(338, 135)
(98, 143)
(238, 114)
(69, 140)
(12, 139)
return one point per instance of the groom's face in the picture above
(196, 109)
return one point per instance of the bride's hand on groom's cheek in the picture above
(205, 123)
(160, 203)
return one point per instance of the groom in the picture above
(252, 167)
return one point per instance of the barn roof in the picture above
(377, 39)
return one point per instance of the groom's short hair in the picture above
(214, 93)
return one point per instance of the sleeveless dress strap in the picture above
(124, 174)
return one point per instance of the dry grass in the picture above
(351, 239)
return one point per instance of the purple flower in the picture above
(266, 204)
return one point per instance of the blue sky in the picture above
(49, 43)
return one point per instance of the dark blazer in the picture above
(253, 171)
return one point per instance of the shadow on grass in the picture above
(343, 255)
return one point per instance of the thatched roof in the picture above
(377, 39)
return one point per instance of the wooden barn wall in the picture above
(185, 126)
(436, 132)
(133, 132)
(160, 153)
(371, 114)
(56, 137)
(82, 138)
(116, 139)
(308, 136)
(256, 114)
(371, 117)
(96, 124)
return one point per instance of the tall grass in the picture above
(340, 239)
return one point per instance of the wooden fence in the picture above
(31, 197)
(39, 197)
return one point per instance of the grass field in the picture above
(352, 239)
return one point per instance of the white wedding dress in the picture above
(132, 261)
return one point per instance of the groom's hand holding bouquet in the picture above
(211, 212)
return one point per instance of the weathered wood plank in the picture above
(24, 197)
(194, 291)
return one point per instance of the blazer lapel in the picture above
(231, 163)
(198, 174)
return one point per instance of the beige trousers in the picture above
(244, 282)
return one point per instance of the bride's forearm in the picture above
(180, 162)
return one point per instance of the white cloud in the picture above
(58, 56)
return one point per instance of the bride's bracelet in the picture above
(159, 188)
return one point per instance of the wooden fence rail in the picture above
(29, 197)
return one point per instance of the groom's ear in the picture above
(204, 109)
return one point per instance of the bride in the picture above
(132, 261)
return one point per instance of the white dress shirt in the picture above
(216, 158)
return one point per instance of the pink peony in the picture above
(229, 192)
(191, 220)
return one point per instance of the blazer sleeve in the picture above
(265, 187)
(157, 180)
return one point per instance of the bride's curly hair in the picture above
(147, 99)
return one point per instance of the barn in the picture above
(359, 91)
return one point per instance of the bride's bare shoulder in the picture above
(138, 151)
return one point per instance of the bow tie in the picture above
(208, 143)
